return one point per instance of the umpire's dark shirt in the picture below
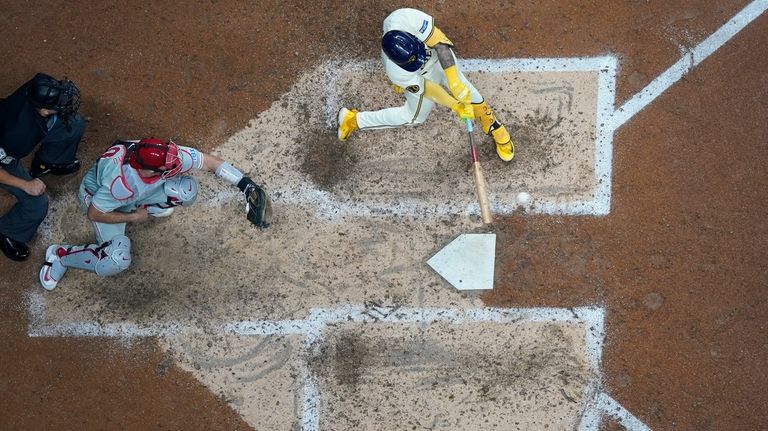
(21, 127)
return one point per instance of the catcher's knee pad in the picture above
(485, 114)
(181, 190)
(115, 256)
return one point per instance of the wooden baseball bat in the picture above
(477, 174)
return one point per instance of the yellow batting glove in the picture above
(458, 89)
(465, 111)
(469, 112)
(398, 89)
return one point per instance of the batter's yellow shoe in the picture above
(505, 148)
(347, 122)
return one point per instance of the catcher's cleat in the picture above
(52, 269)
(347, 122)
(505, 148)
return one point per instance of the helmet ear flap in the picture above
(404, 49)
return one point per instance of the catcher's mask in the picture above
(63, 96)
(404, 49)
(156, 155)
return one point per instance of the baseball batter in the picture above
(420, 62)
(130, 182)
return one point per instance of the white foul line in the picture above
(610, 407)
(687, 62)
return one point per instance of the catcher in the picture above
(130, 182)
(419, 60)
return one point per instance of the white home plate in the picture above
(467, 262)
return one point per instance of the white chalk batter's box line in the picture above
(592, 318)
(606, 69)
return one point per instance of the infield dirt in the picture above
(679, 263)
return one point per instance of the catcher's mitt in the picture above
(258, 206)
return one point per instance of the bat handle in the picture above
(474, 154)
(472, 147)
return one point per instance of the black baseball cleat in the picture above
(13, 249)
(40, 168)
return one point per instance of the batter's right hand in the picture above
(35, 187)
(464, 111)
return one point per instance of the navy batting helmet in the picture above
(404, 49)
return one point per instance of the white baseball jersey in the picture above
(114, 184)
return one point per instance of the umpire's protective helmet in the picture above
(44, 92)
(404, 49)
(156, 155)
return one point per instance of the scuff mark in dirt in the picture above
(326, 160)
(537, 141)
(344, 358)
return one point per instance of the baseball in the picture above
(523, 198)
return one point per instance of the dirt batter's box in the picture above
(558, 112)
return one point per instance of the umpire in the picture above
(42, 111)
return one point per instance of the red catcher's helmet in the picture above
(156, 155)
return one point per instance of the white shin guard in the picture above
(110, 258)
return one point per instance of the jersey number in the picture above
(111, 151)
